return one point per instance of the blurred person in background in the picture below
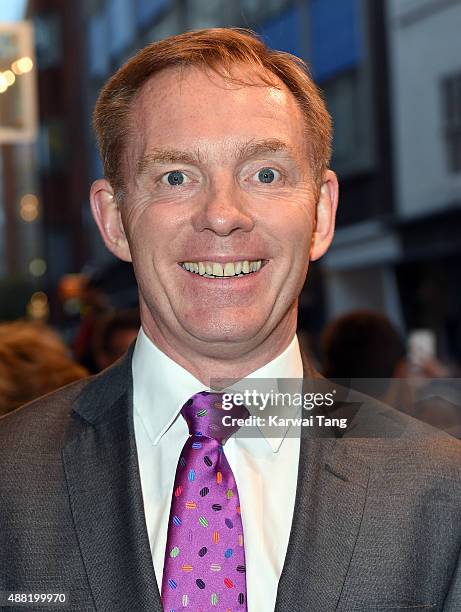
(33, 361)
(95, 303)
(108, 288)
(112, 336)
(362, 344)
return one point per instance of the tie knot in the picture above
(205, 416)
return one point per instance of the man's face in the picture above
(218, 177)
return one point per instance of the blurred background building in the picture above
(425, 60)
(391, 74)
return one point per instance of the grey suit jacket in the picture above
(377, 521)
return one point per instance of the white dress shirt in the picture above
(265, 469)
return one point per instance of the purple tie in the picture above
(204, 566)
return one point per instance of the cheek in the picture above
(147, 231)
(295, 234)
(293, 229)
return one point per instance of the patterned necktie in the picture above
(204, 558)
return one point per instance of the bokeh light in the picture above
(9, 76)
(38, 307)
(29, 207)
(3, 83)
(37, 267)
(22, 65)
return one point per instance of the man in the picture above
(217, 188)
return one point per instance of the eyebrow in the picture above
(166, 156)
(259, 147)
(253, 148)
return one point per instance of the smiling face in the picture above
(219, 212)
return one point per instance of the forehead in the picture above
(192, 107)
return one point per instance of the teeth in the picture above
(215, 269)
(229, 269)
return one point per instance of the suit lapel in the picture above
(330, 500)
(101, 467)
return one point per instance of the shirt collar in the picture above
(161, 386)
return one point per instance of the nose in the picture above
(224, 208)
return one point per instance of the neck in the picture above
(211, 362)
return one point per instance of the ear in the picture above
(325, 216)
(106, 213)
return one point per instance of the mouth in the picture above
(229, 269)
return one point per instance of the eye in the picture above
(268, 175)
(175, 177)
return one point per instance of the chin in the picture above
(223, 330)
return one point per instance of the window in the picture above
(206, 14)
(342, 97)
(18, 104)
(451, 106)
(284, 32)
(121, 21)
(148, 10)
(336, 36)
(98, 45)
(256, 10)
(48, 44)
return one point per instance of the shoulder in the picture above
(42, 421)
(49, 421)
(395, 442)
